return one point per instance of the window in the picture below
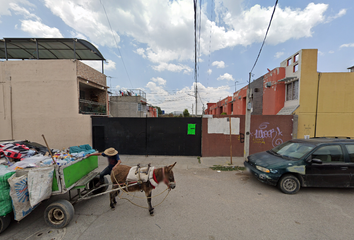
(139, 107)
(331, 153)
(288, 62)
(296, 58)
(292, 90)
(296, 67)
(82, 94)
(350, 149)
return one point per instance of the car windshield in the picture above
(293, 150)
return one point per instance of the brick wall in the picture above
(88, 73)
(266, 133)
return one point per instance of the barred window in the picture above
(292, 90)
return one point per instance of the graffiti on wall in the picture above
(262, 133)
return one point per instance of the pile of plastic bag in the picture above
(5, 199)
(26, 174)
(25, 154)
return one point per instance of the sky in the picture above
(150, 44)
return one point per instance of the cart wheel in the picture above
(99, 190)
(5, 222)
(59, 213)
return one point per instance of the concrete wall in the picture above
(257, 88)
(266, 133)
(239, 104)
(5, 106)
(44, 101)
(126, 106)
(335, 114)
(273, 91)
(307, 93)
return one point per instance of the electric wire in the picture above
(116, 43)
(195, 53)
(271, 18)
(211, 27)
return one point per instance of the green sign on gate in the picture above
(191, 129)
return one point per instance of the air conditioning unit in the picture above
(268, 84)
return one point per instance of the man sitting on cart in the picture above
(113, 161)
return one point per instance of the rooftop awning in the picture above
(288, 79)
(48, 48)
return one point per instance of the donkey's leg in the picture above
(148, 196)
(112, 197)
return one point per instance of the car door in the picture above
(350, 150)
(333, 172)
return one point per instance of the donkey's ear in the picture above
(171, 166)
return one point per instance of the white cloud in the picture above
(172, 68)
(159, 80)
(347, 45)
(331, 52)
(278, 54)
(80, 36)
(109, 65)
(6, 5)
(157, 90)
(209, 71)
(320, 53)
(22, 11)
(218, 64)
(341, 13)
(226, 76)
(38, 29)
(141, 52)
(141, 20)
(184, 98)
(86, 17)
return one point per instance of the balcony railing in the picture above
(90, 107)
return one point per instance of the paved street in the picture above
(205, 204)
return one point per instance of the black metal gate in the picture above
(148, 136)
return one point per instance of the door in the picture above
(333, 172)
(350, 150)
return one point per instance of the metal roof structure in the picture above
(48, 48)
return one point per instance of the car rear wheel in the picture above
(289, 184)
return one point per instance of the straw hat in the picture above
(110, 152)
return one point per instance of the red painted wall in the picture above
(239, 105)
(274, 96)
(266, 132)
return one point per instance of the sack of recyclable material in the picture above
(3, 180)
(40, 182)
(20, 196)
(5, 199)
(5, 207)
(5, 195)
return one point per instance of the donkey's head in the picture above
(168, 177)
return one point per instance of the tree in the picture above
(185, 113)
(159, 111)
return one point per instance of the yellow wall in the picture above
(335, 113)
(335, 105)
(307, 93)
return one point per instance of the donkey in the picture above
(119, 176)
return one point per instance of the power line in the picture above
(211, 27)
(116, 43)
(275, 5)
(195, 53)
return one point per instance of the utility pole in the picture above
(195, 54)
(248, 119)
(235, 85)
